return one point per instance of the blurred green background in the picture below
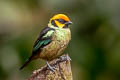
(95, 44)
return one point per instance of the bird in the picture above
(52, 41)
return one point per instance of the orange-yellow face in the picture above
(60, 20)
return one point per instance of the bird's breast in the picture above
(62, 35)
(60, 40)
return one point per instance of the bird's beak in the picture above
(69, 22)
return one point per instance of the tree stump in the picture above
(62, 70)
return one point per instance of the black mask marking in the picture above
(66, 26)
(53, 23)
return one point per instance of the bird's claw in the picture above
(67, 58)
(51, 68)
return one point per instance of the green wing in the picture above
(44, 39)
(41, 43)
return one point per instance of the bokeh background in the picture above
(95, 44)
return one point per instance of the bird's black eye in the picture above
(61, 21)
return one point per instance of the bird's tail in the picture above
(26, 63)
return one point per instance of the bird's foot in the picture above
(65, 58)
(50, 67)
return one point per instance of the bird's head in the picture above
(60, 21)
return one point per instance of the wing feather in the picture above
(44, 39)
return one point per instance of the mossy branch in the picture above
(62, 72)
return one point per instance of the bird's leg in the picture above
(50, 67)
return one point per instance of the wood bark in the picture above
(62, 70)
